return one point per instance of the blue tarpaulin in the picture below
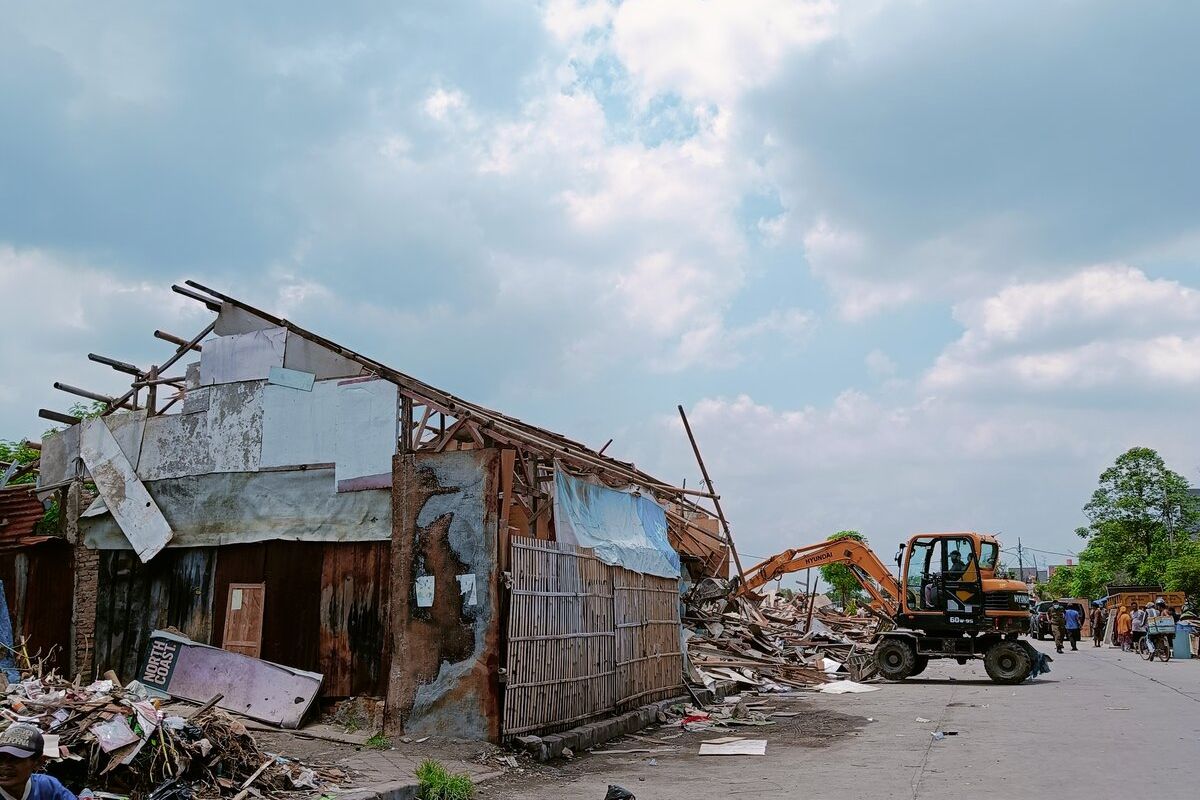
(624, 528)
(7, 665)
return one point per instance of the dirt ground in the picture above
(812, 727)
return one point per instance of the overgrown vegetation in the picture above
(438, 783)
(379, 742)
(1143, 525)
(20, 453)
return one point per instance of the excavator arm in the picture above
(872, 573)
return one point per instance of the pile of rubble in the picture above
(774, 644)
(121, 740)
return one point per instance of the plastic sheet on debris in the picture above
(847, 687)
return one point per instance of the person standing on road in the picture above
(1124, 628)
(1074, 620)
(1058, 622)
(1099, 620)
(1138, 624)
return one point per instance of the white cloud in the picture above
(441, 104)
(713, 51)
(791, 475)
(93, 310)
(1105, 326)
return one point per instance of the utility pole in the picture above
(1021, 563)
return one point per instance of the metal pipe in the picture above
(179, 341)
(119, 366)
(55, 416)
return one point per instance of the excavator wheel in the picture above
(1007, 662)
(896, 659)
(919, 665)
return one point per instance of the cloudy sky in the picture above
(909, 265)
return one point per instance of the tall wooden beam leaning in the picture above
(716, 498)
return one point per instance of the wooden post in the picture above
(406, 431)
(152, 392)
(716, 500)
(812, 604)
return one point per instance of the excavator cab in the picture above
(943, 580)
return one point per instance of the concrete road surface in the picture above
(1099, 723)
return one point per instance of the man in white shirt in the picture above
(1139, 617)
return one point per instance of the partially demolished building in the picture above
(270, 492)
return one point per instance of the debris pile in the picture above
(770, 644)
(120, 740)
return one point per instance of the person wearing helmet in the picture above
(1161, 610)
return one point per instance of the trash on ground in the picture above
(847, 687)
(741, 747)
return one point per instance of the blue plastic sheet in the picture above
(7, 665)
(622, 527)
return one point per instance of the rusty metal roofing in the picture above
(20, 512)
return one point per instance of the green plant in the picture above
(437, 783)
(840, 577)
(379, 742)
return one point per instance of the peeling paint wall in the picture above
(444, 677)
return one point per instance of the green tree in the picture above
(1061, 583)
(1141, 503)
(1140, 517)
(1183, 573)
(839, 576)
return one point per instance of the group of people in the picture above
(1132, 623)
(1066, 623)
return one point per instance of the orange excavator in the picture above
(948, 602)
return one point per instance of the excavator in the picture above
(948, 602)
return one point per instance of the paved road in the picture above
(1094, 724)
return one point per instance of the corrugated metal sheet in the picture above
(20, 512)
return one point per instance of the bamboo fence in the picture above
(585, 639)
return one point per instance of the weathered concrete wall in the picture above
(444, 678)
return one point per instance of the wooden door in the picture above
(244, 618)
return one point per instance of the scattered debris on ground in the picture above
(776, 644)
(120, 740)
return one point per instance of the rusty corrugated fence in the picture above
(585, 639)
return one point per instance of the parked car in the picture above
(1039, 616)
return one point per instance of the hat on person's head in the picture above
(1160, 602)
(21, 740)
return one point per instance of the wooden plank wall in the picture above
(355, 648)
(37, 586)
(291, 609)
(325, 606)
(585, 639)
(173, 589)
